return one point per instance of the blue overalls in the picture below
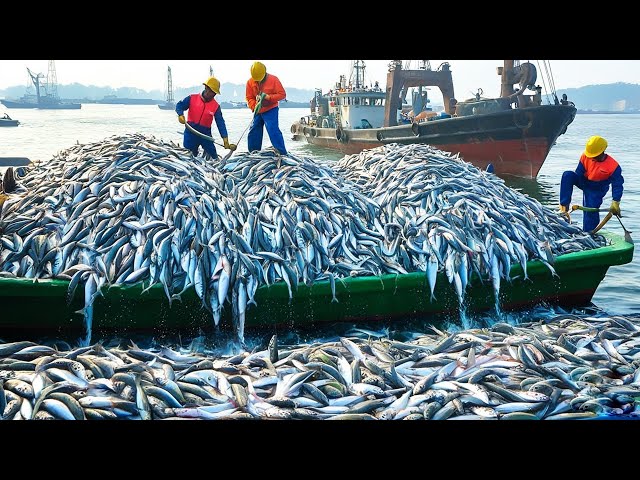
(593, 177)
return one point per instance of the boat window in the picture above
(356, 101)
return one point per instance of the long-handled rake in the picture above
(256, 109)
(627, 233)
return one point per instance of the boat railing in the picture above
(482, 106)
(308, 120)
(322, 121)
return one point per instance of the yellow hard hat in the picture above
(214, 84)
(595, 146)
(258, 71)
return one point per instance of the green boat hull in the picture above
(41, 305)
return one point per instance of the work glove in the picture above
(181, 119)
(615, 208)
(229, 146)
(563, 211)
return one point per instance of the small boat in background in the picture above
(46, 96)
(7, 121)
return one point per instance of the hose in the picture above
(603, 222)
(588, 209)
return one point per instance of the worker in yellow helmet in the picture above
(596, 170)
(203, 110)
(263, 94)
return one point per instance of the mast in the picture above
(357, 74)
(169, 86)
(51, 87)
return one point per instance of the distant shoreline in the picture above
(608, 112)
(283, 104)
(149, 101)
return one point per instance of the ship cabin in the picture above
(347, 107)
(360, 108)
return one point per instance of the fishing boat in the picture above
(7, 121)
(514, 132)
(46, 96)
(39, 305)
(169, 103)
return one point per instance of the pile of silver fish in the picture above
(134, 209)
(566, 367)
(441, 213)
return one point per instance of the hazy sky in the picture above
(468, 75)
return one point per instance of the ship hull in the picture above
(60, 106)
(13, 104)
(41, 106)
(516, 142)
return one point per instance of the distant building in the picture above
(619, 106)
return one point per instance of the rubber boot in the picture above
(8, 181)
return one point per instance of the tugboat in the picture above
(513, 133)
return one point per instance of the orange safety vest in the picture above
(598, 171)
